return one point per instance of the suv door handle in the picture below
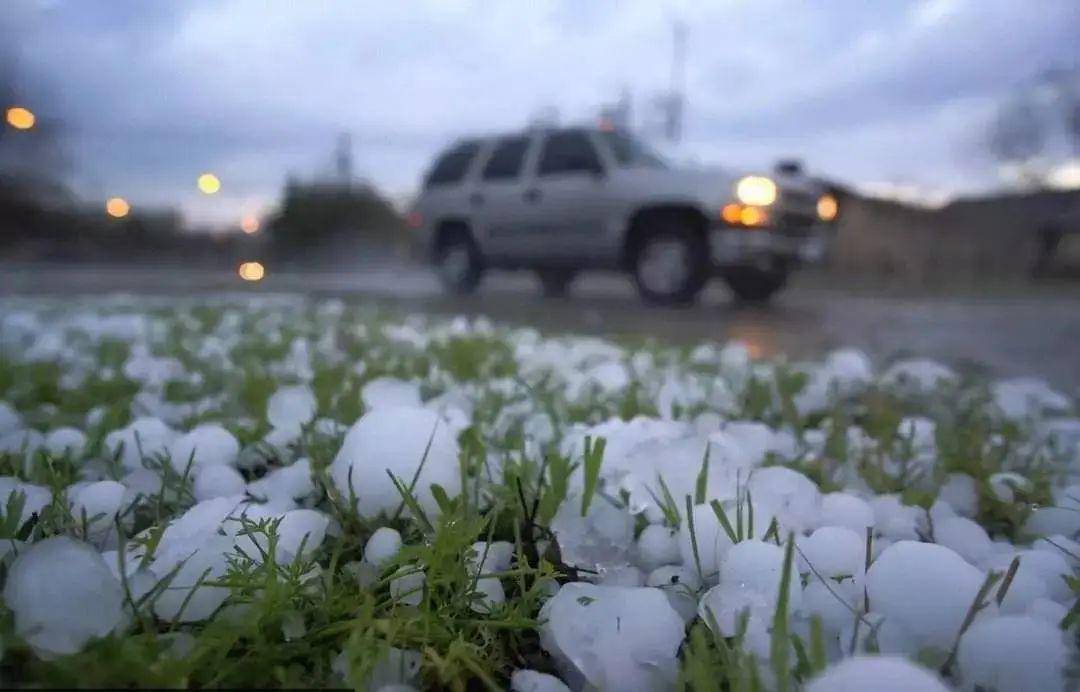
(532, 195)
(476, 199)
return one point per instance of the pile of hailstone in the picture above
(829, 526)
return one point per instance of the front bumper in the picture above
(766, 246)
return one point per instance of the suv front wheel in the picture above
(670, 262)
(458, 261)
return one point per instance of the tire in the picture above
(669, 259)
(753, 285)
(555, 283)
(458, 261)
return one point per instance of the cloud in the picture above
(155, 93)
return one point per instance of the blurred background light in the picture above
(117, 207)
(251, 271)
(249, 224)
(208, 183)
(20, 118)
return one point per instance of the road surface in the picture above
(1020, 331)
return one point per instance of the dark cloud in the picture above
(151, 93)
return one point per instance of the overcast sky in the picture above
(153, 93)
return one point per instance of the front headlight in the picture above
(756, 190)
(827, 208)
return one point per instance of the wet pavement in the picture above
(1012, 331)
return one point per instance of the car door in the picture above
(568, 194)
(504, 217)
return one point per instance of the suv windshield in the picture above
(630, 152)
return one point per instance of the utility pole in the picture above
(343, 159)
(676, 100)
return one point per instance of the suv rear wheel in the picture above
(754, 285)
(670, 261)
(555, 283)
(458, 261)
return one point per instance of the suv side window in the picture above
(505, 162)
(451, 167)
(568, 152)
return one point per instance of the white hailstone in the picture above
(26, 442)
(1048, 611)
(926, 588)
(489, 594)
(1013, 653)
(394, 439)
(200, 560)
(969, 540)
(1027, 397)
(534, 681)
(658, 545)
(877, 673)
(493, 557)
(206, 445)
(145, 436)
(10, 420)
(627, 575)
(281, 439)
(1061, 545)
(290, 408)
(407, 587)
(895, 520)
(300, 527)
(849, 367)
(35, 497)
(616, 638)
(599, 541)
(724, 604)
(63, 441)
(141, 484)
(918, 376)
(293, 482)
(1047, 521)
(1051, 568)
(680, 584)
(759, 566)
(833, 551)
(217, 481)
(960, 491)
(844, 509)
(792, 497)
(1026, 588)
(709, 536)
(98, 503)
(203, 519)
(390, 391)
(1005, 484)
(834, 602)
(382, 546)
(63, 595)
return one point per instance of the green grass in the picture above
(285, 625)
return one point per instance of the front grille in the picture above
(796, 225)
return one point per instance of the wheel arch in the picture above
(638, 224)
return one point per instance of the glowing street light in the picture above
(251, 271)
(208, 183)
(20, 118)
(249, 224)
(117, 207)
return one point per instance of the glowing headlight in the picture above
(756, 190)
(827, 208)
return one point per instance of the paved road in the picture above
(1021, 331)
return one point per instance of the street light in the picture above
(117, 207)
(249, 224)
(208, 183)
(20, 118)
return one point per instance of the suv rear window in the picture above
(505, 162)
(568, 152)
(451, 167)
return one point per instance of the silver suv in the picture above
(559, 201)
